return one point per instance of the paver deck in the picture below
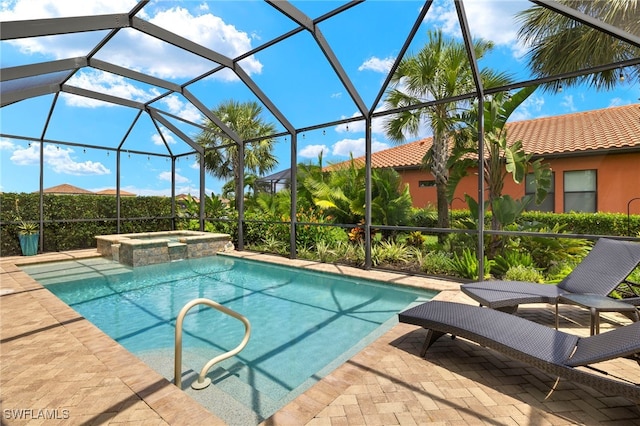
(57, 368)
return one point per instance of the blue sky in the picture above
(293, 74)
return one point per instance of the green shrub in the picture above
(65, 226)
(437, 263)
(502, 262)
(547, 251)
(524, 273)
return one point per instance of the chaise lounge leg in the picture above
(432, 336)
(508, 309)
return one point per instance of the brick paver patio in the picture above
(57, 368)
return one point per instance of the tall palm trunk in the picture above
(441, 174)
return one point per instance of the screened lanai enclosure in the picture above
(126, 94)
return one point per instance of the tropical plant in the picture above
(559, 44)
(222, 157)
(325, 252)
(341, 193)
(466, 265)
(547, 252)
(349, 253)
(390, 252)
(415, 239)
(312, 229)
(437, 263)
(271, 244)
(24, 227)
(214, 207)
(273, 206)
(508, 259)
(440, 70)
(524, 273)
(501, 159)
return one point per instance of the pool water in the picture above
(303, 323)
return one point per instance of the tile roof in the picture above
(65, 188)
(113, 192)
(584, 132)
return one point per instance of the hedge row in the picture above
(617, 224)
(69, 234)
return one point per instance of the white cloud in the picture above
(182, 109)
(7, 145)
(39, 9)
(168, 137)
(60, 160)
(313, 151)
(489, 19)
(356, 147)
(107, 83)
(529, 109)
(377, 64)
(616, 101)
(567, 103)
(166, 176)
(132, 48)
(354, 126)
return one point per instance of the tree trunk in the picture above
(441, 175)
(443, 206)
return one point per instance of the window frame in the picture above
(594, 192)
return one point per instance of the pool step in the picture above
(229, 397)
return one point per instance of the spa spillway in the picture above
(150, 248)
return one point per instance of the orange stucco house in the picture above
(594, 157)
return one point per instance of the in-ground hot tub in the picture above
(149, 248)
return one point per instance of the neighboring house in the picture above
(66, 189)
(594, 157)
(113, 192)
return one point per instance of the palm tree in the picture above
(560, 44)
(221, 152)
(439, 70)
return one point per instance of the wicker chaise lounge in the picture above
(606, 266)
(560, 354)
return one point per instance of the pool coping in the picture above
(144, 392)
(52, 359)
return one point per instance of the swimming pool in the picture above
(304, 324)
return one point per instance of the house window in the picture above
(426, 183)
(548, 204)
(580, 191)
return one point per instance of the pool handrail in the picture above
(204, 381)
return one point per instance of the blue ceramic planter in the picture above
(29, 244)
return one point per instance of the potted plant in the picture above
(27, 234)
